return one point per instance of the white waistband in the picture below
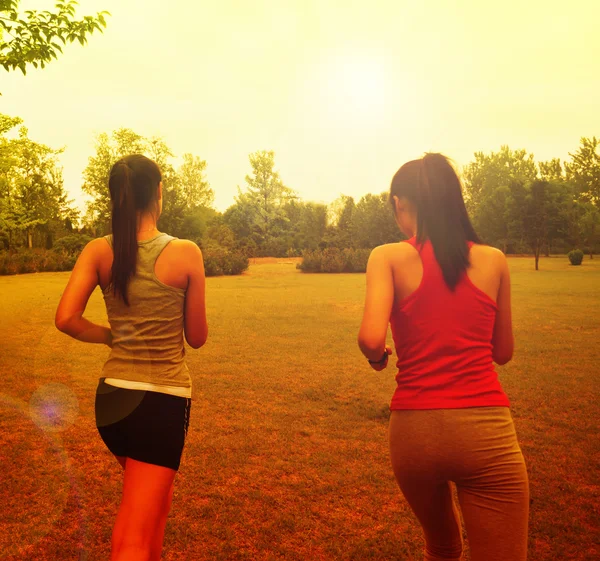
(131, 385)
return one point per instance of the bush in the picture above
(236, 263)
(4, 242)
(34, 261)
(334, 260)
(311, 262)
(220, 261)
(356, 260)
(575, 256)
(72, 244)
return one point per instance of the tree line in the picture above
(517, 204)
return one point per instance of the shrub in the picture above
(220, 261)
(575, 256)
(72, 244)
(34, 261)
(236, 263)
(4, 242)
(334, 260)
(311, 262)
(356, 260)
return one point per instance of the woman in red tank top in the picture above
(446, 298)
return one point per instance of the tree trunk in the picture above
(29, 239)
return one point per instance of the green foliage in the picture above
(589, 225)
(220, 261)
(34, 261)
(497, 169)
(196, 189)
(186, 193)
(335, 260)
(33, 201)
(373, 223)
(35, 38)
(584, 170)
(575, 256)
(265, 197)
(71, 245)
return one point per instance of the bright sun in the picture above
(357, 86)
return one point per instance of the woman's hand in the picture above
(109, 339)
(379, 366)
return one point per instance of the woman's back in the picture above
(148, 332)
(484, 271)
(444, 337)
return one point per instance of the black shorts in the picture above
(147, 426)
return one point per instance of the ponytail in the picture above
(124, 229)
(433, 185)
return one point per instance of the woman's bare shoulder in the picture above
(100, 246)
(399, 250)
(184, 246)
(487, 255)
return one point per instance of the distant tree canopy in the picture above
(524, 207)
(187, 195)
(35, 38)
(34, 209)
(516, 203)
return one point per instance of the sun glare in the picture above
(356, 86)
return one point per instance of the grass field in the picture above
(287, 455)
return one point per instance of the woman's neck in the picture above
(146, 228)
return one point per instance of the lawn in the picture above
(287, 454)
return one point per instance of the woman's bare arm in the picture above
(503, 341)
(196, 327)
(378, 305)
(82, 282)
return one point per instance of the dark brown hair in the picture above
(433, 187)
(133, 185)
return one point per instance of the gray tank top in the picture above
(147, 334)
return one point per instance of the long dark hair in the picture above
(432, 185)
(133, 185)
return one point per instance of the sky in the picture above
(343, 91)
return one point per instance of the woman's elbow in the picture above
(502, 358)
(197, 341)
(61, 323)
(368, 344)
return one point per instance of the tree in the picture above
(536, 210)
(491, 221)
(109, 149)
(239, 217)
(551, 170)
(584, 170)
(196, 189)
(36, 37)
(186, 194)
(497, 169)
(307, 222)
(373, 222)
(265, 198)
(590, 226)
(32, 196)
(340, 215)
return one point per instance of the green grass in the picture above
(287, 452)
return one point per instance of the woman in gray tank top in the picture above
(153, 288)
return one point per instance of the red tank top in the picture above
(443, 339)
